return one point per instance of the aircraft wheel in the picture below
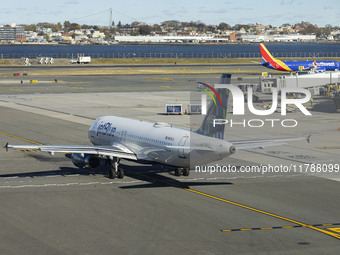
(120, 173)
(112, 173)
(178, 172)
(186, 171)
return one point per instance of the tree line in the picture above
(140, 28)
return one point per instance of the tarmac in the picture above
(48, 206)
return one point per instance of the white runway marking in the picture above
(67, 184)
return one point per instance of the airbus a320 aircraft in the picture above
(116, 138)
(273, 63)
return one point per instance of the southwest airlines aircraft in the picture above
(273, 63)
(116, 138)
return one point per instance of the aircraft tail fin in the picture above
(271, 62)
(216, 110)
(266, 56)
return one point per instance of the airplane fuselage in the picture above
(158, 142)
(303, 65)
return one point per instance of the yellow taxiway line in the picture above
(23, 139)
(266, 213)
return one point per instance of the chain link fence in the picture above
(171, 55)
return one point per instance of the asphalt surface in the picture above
(106, 83)
(48, 206)
(77, 66)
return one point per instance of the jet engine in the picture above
(86, 161)
(232, 149)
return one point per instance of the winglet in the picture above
(6, 147)
(308, 138)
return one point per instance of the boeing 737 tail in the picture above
(217, 110)
(266, 56)
(271, 62)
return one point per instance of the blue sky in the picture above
(273, 12)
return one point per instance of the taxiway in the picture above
(50, 206)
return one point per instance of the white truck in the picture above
(81, 60)
(84, 60)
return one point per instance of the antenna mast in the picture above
(110, 25)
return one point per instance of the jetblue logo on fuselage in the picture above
(106, 129)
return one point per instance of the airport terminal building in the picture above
(12, 33)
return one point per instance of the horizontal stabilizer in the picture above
(256, 145)
(261, 143)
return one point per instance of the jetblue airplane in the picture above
(116, 138)
(273, 63)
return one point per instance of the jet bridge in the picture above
(311, 81)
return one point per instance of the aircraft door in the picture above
(123, 136)
(182, 142)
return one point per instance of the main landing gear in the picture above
(114, 170)
(182, 171)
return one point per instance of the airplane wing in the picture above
(261, 143)
(116, 150)
(257, 62)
